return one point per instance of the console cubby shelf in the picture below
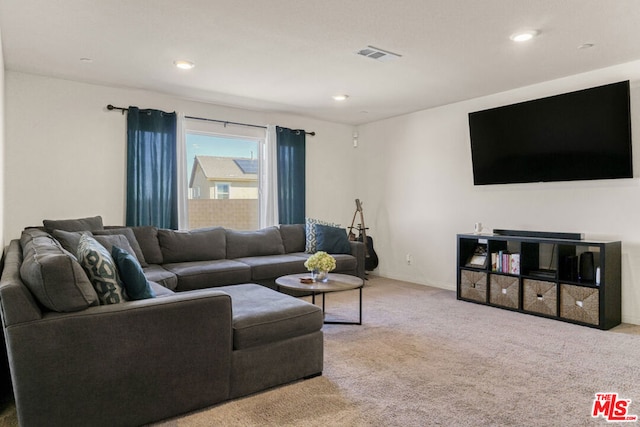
(576, 281)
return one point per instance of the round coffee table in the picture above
(337, 282)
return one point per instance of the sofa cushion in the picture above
(79, 224)
(53, 275)
(131, 237)
(162, 276)
(310, 233)
(159, 290)
(273, 266)
(195, 245)
(111, 240)
(332, 240)
(133, 278)
(147, 237)
(293, 237)
(208, 274)
(262, 316)
(101, 269)
(266, 241)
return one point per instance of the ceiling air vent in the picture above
(378, 54)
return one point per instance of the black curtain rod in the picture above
(225, 122)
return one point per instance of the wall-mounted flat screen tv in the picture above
(580, 135)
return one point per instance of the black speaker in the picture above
(570, 268)
(587, 273)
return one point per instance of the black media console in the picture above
(559, 277)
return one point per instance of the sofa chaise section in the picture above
(276, 339)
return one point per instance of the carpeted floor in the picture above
(422, 358)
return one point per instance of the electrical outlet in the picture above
(409, 259)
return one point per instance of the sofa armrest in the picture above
(357, 250)
(123, 364)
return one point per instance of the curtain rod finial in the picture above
(112, 107)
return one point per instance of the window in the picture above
(223, 180)
(222, 190)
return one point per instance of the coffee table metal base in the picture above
(336, 322)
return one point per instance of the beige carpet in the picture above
(422, 358)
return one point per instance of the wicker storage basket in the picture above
(473, 285)
(580, 303)
(539, 297)
(504, 290)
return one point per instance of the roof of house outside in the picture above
(225, 169)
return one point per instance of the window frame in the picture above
(219, 130)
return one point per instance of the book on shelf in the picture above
(505, 262)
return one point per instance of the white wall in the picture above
(65, 153)
(418, 190)
(2, 139)
(65, 158)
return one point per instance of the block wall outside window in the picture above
(238, 214)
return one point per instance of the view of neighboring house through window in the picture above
(222, 190)
(223, 181)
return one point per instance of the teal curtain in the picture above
(151, 169)
(290, 148)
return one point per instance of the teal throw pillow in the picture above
(310, 233)
(101, 269)
(332, 240)
(135, 282)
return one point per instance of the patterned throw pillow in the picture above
(310, 232)
(101, 269)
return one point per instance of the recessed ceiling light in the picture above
(340, 97)
(524, 35)
(184, 65)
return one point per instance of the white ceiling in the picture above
(293, 55)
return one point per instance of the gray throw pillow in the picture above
(69, 239)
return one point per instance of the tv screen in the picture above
(580, 135)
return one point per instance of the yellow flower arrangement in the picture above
(320, 261)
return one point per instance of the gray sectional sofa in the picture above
(213, 332)
(204, 258)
